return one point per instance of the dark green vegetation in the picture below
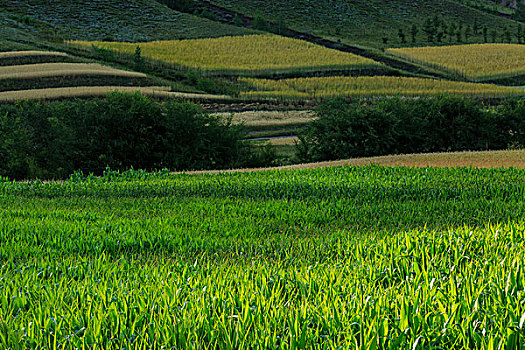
(368, 22)
(131, 20)
(396, 126)
(71, 81)
(52, 140)
(364, 257)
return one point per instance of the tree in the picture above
(476, 26)
(260, 24)
(385, 40)
(428, 28)
(485, 35)
(519, 33)
(401, 35)
(451, 30)
(507, 35)
(137, 59)
(459, 32)
(468, 33)
(237, 21)
(413, 31)
(439, 36)
(493, 35)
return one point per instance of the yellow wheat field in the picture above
(42, 70)
(21, 54)
(244, 54)
(96, 91)
(476, 61)
(369, 87)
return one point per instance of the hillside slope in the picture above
(367, 22)
(131, 20)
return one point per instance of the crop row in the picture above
(354, 257)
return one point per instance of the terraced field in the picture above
(474, 62)
(324, 87)
(368, 257)
(245, 55)
(61, 80)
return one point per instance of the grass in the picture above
(366, 21)
(314, 88)
(356, 257)
(134, 20)
(475, 62)
(244, 55)
(44, 70)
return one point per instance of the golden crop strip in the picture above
(42, 70)
(368, 87)
(244, 54)
(21, 54)
(476, 61)
(94, 91)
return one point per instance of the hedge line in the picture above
(398, 126)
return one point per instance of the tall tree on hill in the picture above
(468, 33)
(507, 35)
(451, 30)
(459, 32)
(485, 34)
(476, 26)
(519, 33)
(429, 29)
(401, 35)
(439, 36)
(493, 35)
(413, 31)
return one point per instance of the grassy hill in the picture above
(133, 20)
(366, 22)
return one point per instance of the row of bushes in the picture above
(396, 126)
(121, 131)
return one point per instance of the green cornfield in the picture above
(336, 258)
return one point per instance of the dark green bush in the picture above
(121, 131)
(393, 126)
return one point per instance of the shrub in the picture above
(121, 131)
(393, 126)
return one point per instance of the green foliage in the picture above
(413, 31)
(446, 123)
(51, 140)
(519, 14)
(365, 257)
(260, 23)
(138, 60)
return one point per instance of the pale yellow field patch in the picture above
(270, 118)
(22, 54)
(42, 70)
(96, 91)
